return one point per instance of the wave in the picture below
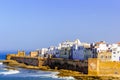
(53, 75)
(67, 78)
(9, 72)
(32, 73)
(1, 63)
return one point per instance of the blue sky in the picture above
(33, 24)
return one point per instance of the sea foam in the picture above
(51, 75)
(54, 75)
(9, 72)
(1, 63)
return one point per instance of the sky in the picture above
(35, 24)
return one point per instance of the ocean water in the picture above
(4, 53)
(12, 73)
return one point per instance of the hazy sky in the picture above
(33, 24)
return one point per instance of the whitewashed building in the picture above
(99, 47)
(65, 48)
(81, 52)
(51, 50)
(107, 51)
(42, 51)
(69, 44)
(115, 49)
(54, 51)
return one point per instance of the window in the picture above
(106, 57)
(114, 52)
(65, 53)
(102, 56)
(74, 49)
(110, 57)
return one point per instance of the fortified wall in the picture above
(53, 63)
(93, 66)
(98, 67)
(75, 65)
(28, 60)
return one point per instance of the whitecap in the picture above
(1, 63)
(10, 72)
(54, 75)
(67, 78)
(41, 74)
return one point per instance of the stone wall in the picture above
(93, 66)
(33, 54)
(98, 67)
(26, 60)
(81, 66)
(59, 63)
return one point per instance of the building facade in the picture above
(99, 47)
(105, 56)
(34, 54)
(65, 53)
(42, 52)
(80, 52)
(115, 50)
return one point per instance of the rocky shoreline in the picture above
(61, 72)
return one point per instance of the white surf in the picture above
(1, 63)
(9, 72)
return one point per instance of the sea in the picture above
(15, 73)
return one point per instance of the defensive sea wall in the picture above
(26, 60)
(33, 61)
(75, 65)
(93, 66)
(53, 63)
(98, 67)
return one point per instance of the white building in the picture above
(102, 47)
(42, 52)
(81, 52)
(65, 48)
(69, 44)
(99, 47)
(53, 51)
(115, 49)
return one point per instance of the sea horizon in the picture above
(5, 52)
